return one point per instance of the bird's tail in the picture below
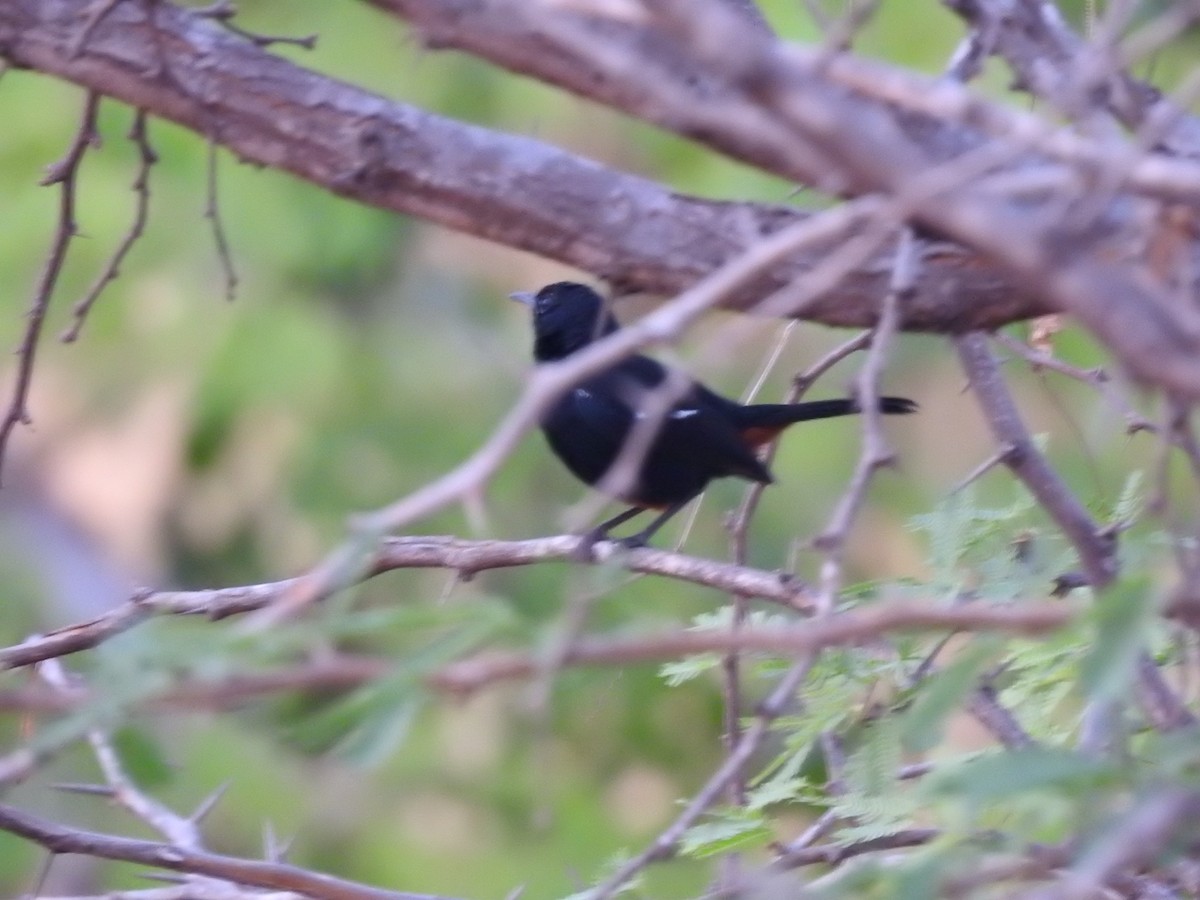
(779, 415)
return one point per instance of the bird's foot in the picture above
(583, 551)
(634, 541)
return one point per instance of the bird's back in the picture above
(694, 441)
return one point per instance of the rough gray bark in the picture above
(630, 231)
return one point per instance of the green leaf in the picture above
(680, 671)
(994, 777)
(370, 722)
(1124, 615)
(142, 757)
(377, 736)
(607, 870)
(1132, 502)
(777, 790)
(732, 831)
(943, 693)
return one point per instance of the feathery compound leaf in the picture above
(996, 777)
(1124, 615)
(921, 726)
(734, 829)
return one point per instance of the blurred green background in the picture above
(189, 441)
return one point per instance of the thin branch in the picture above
(739, 529)
(1049, 61)
(64, 173)
(834, 854)
(224, 11)
(275, 876)
(466, 557)
(141, 187)
(335, 673)
(849, 144)
(984, 704)
(667, 843)
(1001, 456)
(340, 672)
(212, 212)
(1164, 708)
(848, 628)
(1155, 822)
(875, 452)
(1096, 549)
(1097, 378)
(179, 831)
(212, 890)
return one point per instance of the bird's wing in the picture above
(704, 422)
(700, 422)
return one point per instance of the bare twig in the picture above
(276, 876)
(1097, 378)
(468, 675)
(141, 186)
(739, 528)
(333, 673)
(1155, 821)
(739, 538)
(224, 11)
(471, 674)
(212, 212)
(1163, 706)
(984, 704)
(854, 627)
(1000, 456)
(1054, 63)
(64, 173)
(211, 890)
(1096, 549)
(875, 451)
(466, 557)
(833, 854)
(667, 843)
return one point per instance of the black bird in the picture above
(700, 436)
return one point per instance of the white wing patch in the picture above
(675, 414)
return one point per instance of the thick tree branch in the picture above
(513, 190)
(708, 75)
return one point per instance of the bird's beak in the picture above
(523, 297)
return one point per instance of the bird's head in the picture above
(566, 318)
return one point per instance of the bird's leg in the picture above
(583, 551)
(642, 537)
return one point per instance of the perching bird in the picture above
(700, 435)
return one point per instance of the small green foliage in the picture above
(688, 668)
(1124, 616)
(632, 887)
(900, 701)
(922, 724)
(143, 757)
(729, 831)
